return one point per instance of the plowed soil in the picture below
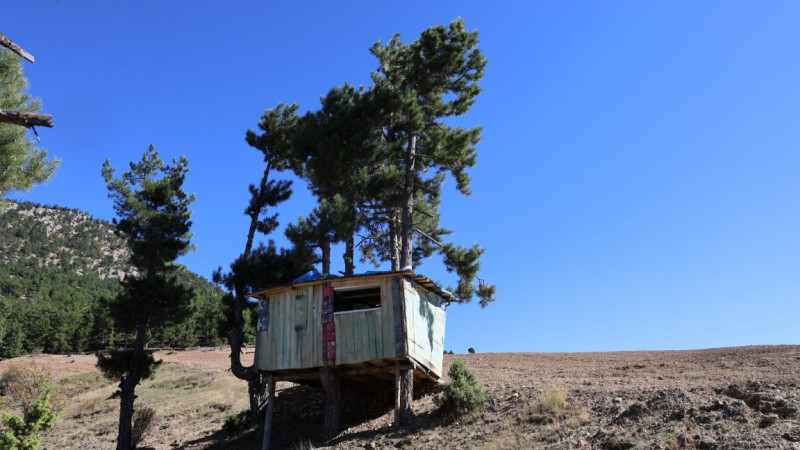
(737, 398)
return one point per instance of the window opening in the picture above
(356, 299)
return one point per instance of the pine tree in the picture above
(419, 85)
(337, 147)
(22, 163)
(276, 126)
(327, 224)
(153, 215)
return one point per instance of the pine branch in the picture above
(26, 119)
(9, 44)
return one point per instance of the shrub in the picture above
(23, 429)
(24, 386)
(471, 350)
(462, 393)
(237, 423)
(142, 420)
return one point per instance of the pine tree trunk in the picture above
(333, 403)
(394, 234)
(257, 390)
(237, 336)
(255, 385)
(127, 387)
(404, 412)
(407, 397)
(350, 247)
(126, 398)
(325, 247)
(349, 253)
(407, 224)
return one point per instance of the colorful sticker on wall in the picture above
(328, 325)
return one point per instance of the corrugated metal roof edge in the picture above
(421, 280)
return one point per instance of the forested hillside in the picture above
(57, 268)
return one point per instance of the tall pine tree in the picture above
(420, 84)
(262, 266)
(153, 215)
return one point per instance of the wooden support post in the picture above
(407, 397)
(333, 403)
(397, 394)
(404, 395)
(270, 410)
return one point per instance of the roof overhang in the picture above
(421, 280)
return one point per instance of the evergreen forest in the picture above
(59, 268)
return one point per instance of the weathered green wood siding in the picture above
(365, 335)
(293, 338)
(425, 321)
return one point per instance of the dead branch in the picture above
(9, 44)
(26, 119)
(430, 238)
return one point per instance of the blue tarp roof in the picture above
(314, 275)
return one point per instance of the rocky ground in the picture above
(729, 398)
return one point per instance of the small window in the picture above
(356, 299)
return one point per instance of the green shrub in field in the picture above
(23, 429)
(462, 393)
(237, 423)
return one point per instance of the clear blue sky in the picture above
(637, 183)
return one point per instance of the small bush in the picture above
(24, 386)
(23, 429)
(471, 350)
(462, 393)
(237, 423)
(142, 421)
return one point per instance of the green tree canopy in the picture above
(153, 215)
(22, 163)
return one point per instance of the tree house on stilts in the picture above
(377, 332)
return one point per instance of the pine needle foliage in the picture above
(153, 215)
(22, 434)
(22, 163)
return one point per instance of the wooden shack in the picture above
(377, 331)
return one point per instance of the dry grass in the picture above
(553, 401)
(179, 418)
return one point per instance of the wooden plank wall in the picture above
(294, 336)
(293, 339)
(425, 321)
(365, 335)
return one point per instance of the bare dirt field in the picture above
(737, 398)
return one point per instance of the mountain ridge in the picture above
(58, 266)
